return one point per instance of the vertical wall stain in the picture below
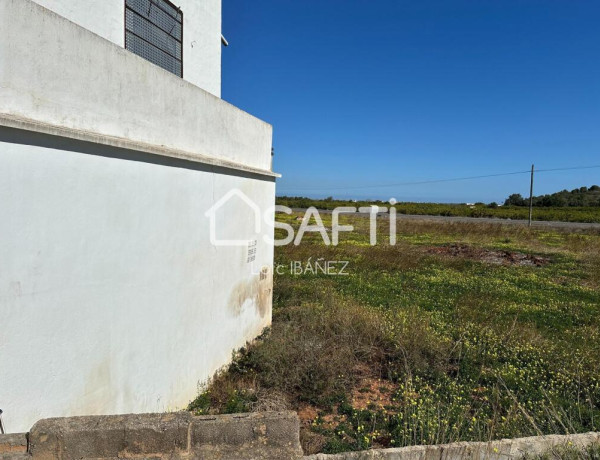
(258, 289)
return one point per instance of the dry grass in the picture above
(312, 361)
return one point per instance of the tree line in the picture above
(578, 197)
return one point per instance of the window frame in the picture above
(154, 3)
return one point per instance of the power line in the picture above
(567, 169)
(434, 181)
(437, 181)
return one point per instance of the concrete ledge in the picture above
(270, 435)
(110, 436)
(12, 121)
(493, 450)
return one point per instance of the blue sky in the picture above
(363, 92)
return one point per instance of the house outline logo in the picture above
(212, 211)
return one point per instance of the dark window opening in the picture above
(154, 31)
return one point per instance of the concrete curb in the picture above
(247, 436)
(110, 436)
(493, 450)
(268, 435)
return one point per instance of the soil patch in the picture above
(510, 258)
(372, 394)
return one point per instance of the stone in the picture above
(147, 435)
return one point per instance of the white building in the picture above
(112, 297)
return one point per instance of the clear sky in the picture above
(367, 92)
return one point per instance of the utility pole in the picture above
(531, 196)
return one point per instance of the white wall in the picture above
(56, 72)
(202, 43)
(201, 29)
(112, 299)
(104, 17)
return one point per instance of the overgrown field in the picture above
(561, 214)
(458, 332)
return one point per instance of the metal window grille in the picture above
(154, 31)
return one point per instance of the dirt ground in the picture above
(510, 258)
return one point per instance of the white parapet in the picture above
(56, 72)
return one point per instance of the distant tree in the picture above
(552, 200)
(493, 205)
(578, 197)
(515, 200)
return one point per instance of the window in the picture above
(154, 31)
